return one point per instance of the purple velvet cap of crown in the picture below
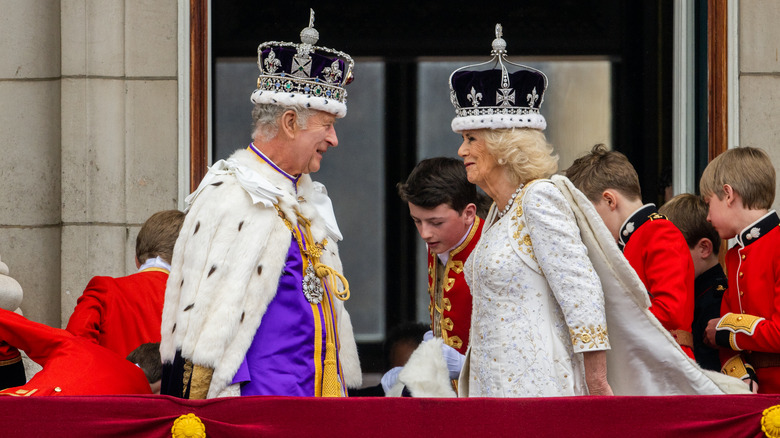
(488, 82)
(315, 81)
(321, 66)
(504, 96)
(303, 75)
(481, 102)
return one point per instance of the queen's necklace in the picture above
(511, 201)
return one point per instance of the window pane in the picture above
(234, 81)
(354, 174)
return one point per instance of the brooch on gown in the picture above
(312, 286)
(316, 273)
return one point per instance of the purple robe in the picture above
(280, 361)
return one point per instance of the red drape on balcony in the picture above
(154, 416)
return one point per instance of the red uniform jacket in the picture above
(121, 313)
(660, 256)
(749, 330)
(452, 314)
(71, 365)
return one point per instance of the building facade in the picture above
(96, 130)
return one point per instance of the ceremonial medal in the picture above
(312, 286)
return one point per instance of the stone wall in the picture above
(119, 132)
(30, 137)
(90, 141)
(759, 78)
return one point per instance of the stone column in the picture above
(759, 78)
(119, 132)
(30, 139)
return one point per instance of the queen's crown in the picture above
(504, 95)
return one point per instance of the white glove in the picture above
(390, 379)
(452, 357)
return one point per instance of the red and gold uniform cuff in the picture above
(731, 324)
(736, 367)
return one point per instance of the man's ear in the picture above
(703, 247)
(610, 198)
(289, 124)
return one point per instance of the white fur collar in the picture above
(268, 186)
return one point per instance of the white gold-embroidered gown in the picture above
(537, 301)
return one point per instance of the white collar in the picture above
(261, 190)
(156, 262)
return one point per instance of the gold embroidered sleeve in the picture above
(199, 379)
(589, 338)
(19, 392)
(739, 323)
(736, 367)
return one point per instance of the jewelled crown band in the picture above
(497, 94)
(303, 74)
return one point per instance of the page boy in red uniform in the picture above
(125, 312)
(739, 188)
(688, 212)
(653, 246)
(443, 205)
(71, 364)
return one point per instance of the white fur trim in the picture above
(331, 106)
(212, 317)
(233, 390)
(499, 121)
(348, 354)
(425, 374)
(644, 358)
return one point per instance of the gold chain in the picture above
(314, 251)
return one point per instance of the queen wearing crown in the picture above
(538, 325)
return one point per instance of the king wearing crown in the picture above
(254, 302)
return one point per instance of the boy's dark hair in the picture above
(158, 235)
(436, 181)
(602, 169)
(689, 213)
(407, 332)
(147, 357)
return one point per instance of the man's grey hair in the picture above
(265, 119)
